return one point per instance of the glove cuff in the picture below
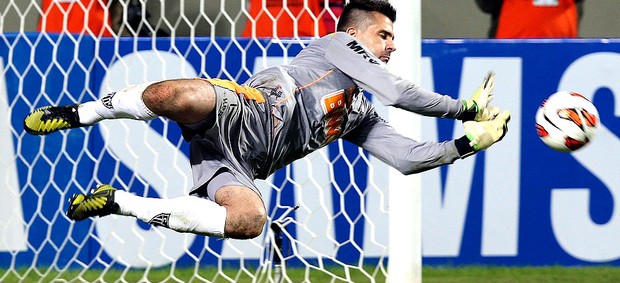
(470, 110)
(464, 147)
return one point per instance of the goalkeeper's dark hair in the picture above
(357, 13)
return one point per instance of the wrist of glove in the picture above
(482, 135)
(472, 112)
(476, 108)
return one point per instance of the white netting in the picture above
(338, 233)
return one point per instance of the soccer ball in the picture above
(566, 121)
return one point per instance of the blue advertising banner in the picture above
(519, 203)
(534, 206)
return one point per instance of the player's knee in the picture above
(246, 213)
(250, 225)
(157, 97)
(256, 223)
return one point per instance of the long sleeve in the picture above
(406, 155)
(367, 71)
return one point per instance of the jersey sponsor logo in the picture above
(107, 100)
(276, 93)
(353, 45)
(335, 107)
(223, 107)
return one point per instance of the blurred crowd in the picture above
(533, 18)
(277, 18)
(258, 18)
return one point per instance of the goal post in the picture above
(405, 197)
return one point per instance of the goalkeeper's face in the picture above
(378, 36)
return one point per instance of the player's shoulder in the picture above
(339, 36)
(332, 41)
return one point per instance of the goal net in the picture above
(328, 219)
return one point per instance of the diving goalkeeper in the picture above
(242, 132)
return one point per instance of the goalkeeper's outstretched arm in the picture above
(410, 156)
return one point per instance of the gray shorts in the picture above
(223, 146)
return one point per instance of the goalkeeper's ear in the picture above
(351, 31)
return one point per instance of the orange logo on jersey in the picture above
(334, 107)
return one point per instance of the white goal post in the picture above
(344, 198)
(405, 256)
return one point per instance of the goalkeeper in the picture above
(239, 133)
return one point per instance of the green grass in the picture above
(522, 274)
(429, 274)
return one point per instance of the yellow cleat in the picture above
(100, 202)
(49, 119)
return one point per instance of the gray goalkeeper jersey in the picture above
(318, 98)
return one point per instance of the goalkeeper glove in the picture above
(476, 107)
(483, 134)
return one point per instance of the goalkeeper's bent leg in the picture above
(189, 214)
(126, 103)
(183, 214)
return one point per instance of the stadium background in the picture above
(440, 18)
